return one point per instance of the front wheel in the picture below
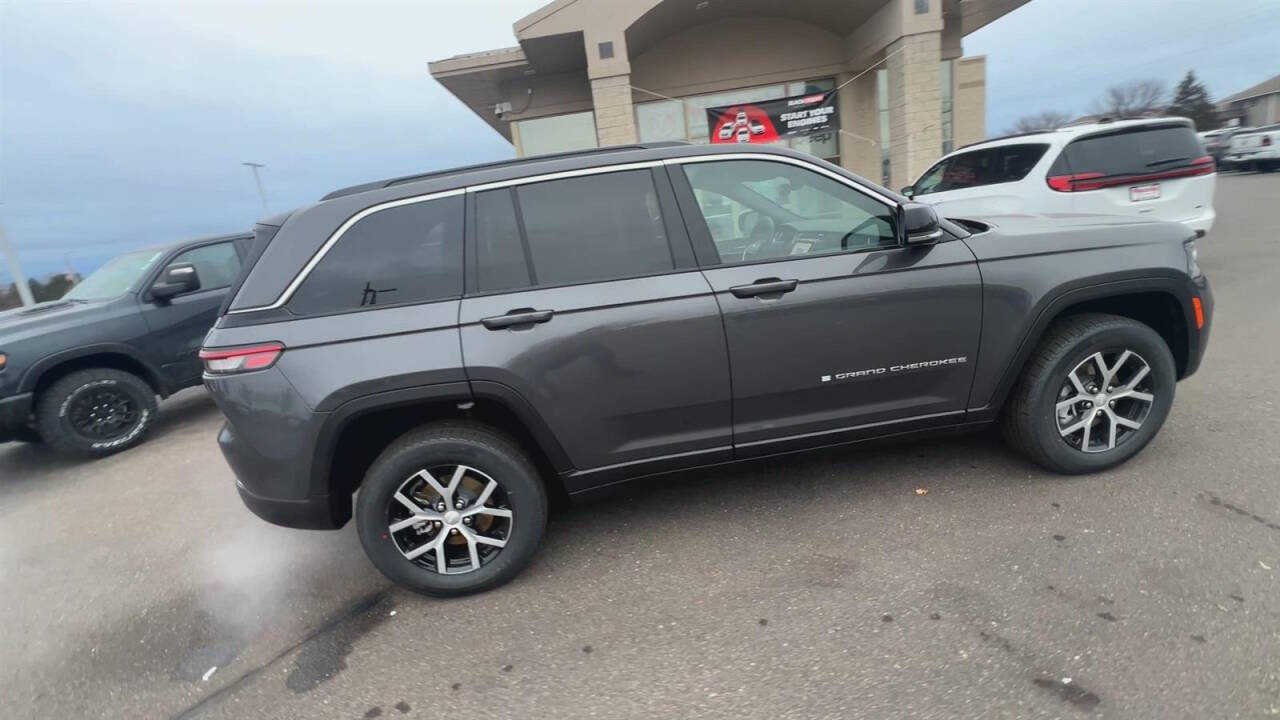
(1096, 391)
(451, 509)
(95, 412)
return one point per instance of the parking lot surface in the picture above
(807, 587)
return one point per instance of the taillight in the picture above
(1080, 182)
(225, 361)
(1076, 182)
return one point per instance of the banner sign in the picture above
(769, 120)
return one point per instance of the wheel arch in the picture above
(358, 431)
(117, 357)
(1161, 303)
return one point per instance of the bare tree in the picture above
(1043, 120)
(1136, 98)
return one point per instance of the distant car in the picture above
(1217, 142)
(82, 373)
(1151, 168)
(756, 127)
(1259, 149)
(744, 135)
(726, 131)
(741, 120)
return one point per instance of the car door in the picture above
(834, 328)
(989, 181)
(584, 301)
(178, 325)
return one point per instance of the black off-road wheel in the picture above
(451, 509)
(95, 412)
(1094, 393)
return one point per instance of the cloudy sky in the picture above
(124, 124)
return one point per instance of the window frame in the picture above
(678, 240)
(704, 245)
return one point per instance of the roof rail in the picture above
(379, 184)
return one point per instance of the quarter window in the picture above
(578, 230)
(759, 210)
(216, 265)
(989, 166)
(406, 254)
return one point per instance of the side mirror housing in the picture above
(747, 221)
(177, 279)
(920, 224)
(909, 190)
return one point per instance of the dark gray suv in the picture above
(454, 346)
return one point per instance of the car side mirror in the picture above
(747, 222)
(920, 224)
(177, 279)
(909, 190)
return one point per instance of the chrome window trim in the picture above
(597, 170)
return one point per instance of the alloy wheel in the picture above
(1104, 400)
(101, 413)
(451, 528)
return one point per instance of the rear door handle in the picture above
(764, 286)
(513, 318)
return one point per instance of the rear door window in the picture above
(987, 166)
(397, 256)
(1133, 151)
(577, 230)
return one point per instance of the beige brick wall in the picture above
(915, 105)
(970, 100)
(615, 116)
(859, 125)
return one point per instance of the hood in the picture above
(46, 317)
(1028, 234)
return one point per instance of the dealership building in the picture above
(588, 73)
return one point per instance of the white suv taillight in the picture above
(226, 361)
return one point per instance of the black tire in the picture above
(56, 411)
(1030, 420)
(452, 443)
(27, 435)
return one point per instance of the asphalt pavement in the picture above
(820, 586)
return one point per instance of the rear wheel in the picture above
(95, 412)
(451, 509)
(1096, 391)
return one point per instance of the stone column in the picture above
(971, 100)
(615, 116)
(915, 105)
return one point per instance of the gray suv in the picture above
(456, 346)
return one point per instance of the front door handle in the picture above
(764, 287)
(513, 318)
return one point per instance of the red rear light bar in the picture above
(1081, 182)
(226, 361)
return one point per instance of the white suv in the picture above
(1154, 168)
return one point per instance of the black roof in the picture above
(379, 184)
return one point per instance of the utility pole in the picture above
(258, 181)
(15, 269)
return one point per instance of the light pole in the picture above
(258, 181)
(15, 269)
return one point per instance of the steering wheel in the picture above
(844, 241)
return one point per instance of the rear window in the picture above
(987, 166)
(397, 256)
(1135, 151)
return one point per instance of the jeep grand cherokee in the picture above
(449, 348)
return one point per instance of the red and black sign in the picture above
(769, 120)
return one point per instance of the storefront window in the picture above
(948, 108)
(558, 133)
(686, 119)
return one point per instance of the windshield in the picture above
(115, 278)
